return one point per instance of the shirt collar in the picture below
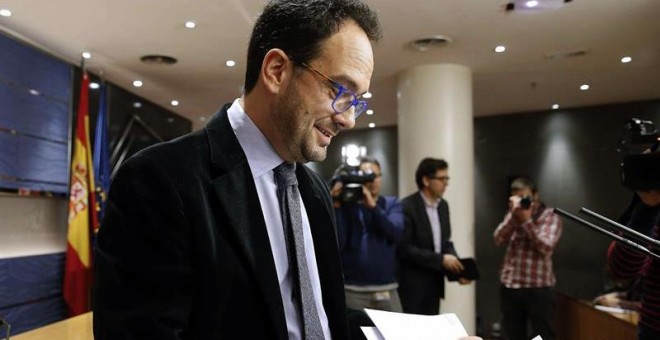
(260, 154)
(430, 204)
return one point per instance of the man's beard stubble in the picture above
(292, 120)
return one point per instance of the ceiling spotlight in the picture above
(170, 120)
(372, 125)
(202, 119)
(367, 95)
(555, 106)
(137, 83)
(5, 12)
(230, 63)
(34, 92)
(175, 103)
(626, 60)
(500, 48)
(370, 112)
(87, 55)
(584, 87)
(535, 5)
(190, 24)
(137, 105)
(94, 86)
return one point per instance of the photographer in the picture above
(629, 264)
(530, 230)
(368, 228)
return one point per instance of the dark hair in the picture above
(522, 182)
(368, 159)
(427, 168)
(299, 27)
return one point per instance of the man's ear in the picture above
(276, 70)
(425, 181)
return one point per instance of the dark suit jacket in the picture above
(420, 273)
(183, 251)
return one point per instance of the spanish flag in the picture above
(82, 215)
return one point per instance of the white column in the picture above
(436, 120)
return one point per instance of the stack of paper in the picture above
(395, 326)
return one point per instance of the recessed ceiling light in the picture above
(532, 4)
(170, 120)
(584, 87)
(94, 86)
(367, 95)
(190, 24)
(137, 105)
(5, 12)
(175, 103)
(500, 48)
(34, 92)
(626, 59)
(230, 63)
(555, 106)
(203, 119)
(370, 112)
(372, 125)
(137, 83)
(87, 55)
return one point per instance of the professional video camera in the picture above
(640, 171)
(352, 179)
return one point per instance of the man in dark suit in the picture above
(425, 251)
(192, 245)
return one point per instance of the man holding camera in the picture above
(368, 229)
(530, 231)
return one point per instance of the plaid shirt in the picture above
(528, 259)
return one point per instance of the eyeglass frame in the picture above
(441, 178)
(340, 90)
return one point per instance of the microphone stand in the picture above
(632, 233)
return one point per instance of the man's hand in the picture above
(463, 281)
(451, 263)
(369, 200)
(519, 214)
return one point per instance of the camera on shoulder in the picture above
(640, 170)
(352, 179)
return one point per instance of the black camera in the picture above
(526, 202)
(641, 171)
(352, 179)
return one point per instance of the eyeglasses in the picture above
(344, 99)
(441, 178)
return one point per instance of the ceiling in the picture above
(524, 78)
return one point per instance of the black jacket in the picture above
(183, 251)
(419, 268)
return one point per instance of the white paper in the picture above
(400, 326)
(372, 333)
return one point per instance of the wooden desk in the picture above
(76, 328)
(576, 319)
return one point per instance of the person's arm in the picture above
(544, 233)
(143, 284)
(503, 233)
(388, 220)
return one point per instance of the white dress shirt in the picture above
(262, 159)
(432, 212)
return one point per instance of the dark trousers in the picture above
(520, 305)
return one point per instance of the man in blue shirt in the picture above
(368, 231)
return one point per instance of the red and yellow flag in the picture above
(82, 215)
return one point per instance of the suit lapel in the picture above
(239, 204)
(426, 232)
